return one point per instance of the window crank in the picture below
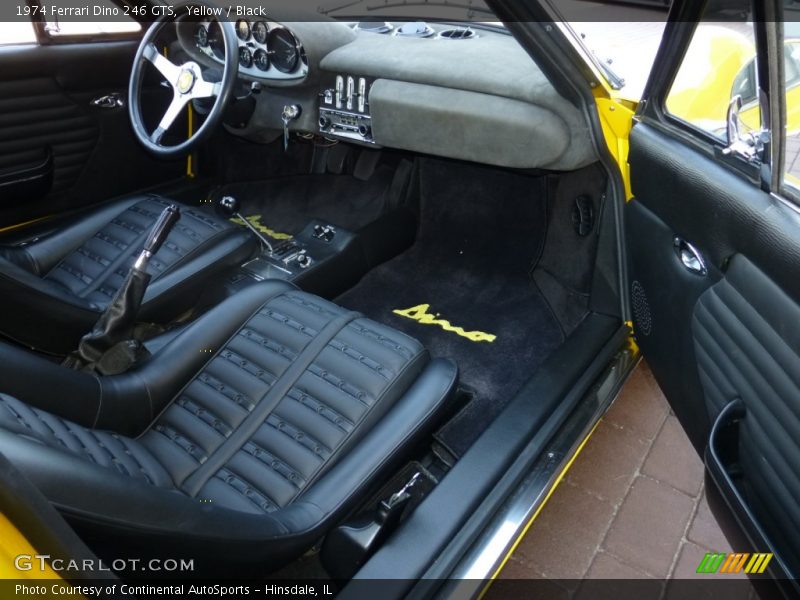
(291, 112)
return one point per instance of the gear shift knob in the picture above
(228, 206)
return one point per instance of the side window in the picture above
(12, 32)
(111, 20)
(719, 65)
(791, 167)
(745, 84)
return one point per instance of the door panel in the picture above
(663, 296)
(730, 336)
(57, 150)
(747, 338)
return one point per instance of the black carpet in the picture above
(481, 233)
(287, 204)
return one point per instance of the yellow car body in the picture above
(721, 66)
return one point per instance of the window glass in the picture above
(719, 65)
(71, 26)
(17, 33)
(791, 61)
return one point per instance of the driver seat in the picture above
(55, 284)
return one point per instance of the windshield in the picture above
(441, 10)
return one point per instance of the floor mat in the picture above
(287, 204)
(465, 288)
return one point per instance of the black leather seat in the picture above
(246, 436)
(54, 286)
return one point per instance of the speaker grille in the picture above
(642, 319)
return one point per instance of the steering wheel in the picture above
(187, 84)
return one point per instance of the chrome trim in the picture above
(113, 100)
(690, 257)
(786, 201)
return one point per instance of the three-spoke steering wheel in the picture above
(187, 84)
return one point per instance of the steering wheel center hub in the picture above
(186, 81)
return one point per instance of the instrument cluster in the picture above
(267, 50)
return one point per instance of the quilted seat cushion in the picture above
(96, 269)
(293, 389)
(58, 280)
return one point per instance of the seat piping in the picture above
(195, 482)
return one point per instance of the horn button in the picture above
(186, 81)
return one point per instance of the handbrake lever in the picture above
(158, 235)
(111, 347)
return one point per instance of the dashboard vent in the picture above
(415, 29)
(374, 27)
(461, 33)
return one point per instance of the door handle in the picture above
(110, 101)
(689, 256)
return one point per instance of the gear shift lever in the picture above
(228, 207)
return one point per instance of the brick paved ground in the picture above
(631, 507)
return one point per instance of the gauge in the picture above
(260, 32)
(215, 40)
(245, 57)
(284, 49)
(261, 59)
(201, 36)
(243, 30)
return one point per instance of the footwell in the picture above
(465, 288)
(287, 204)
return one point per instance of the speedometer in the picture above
(243, 30)
(260, 32)
(284, 49)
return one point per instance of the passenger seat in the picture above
(245, 438)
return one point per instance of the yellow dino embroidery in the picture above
(255, 221)
(421, 315)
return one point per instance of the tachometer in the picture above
(261, 60)
(245, 57)
(243, 30)
(260, 32)
(284, 49)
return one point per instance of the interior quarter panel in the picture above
(45, 102)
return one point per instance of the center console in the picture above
(307, 259)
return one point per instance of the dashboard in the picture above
(267, 50)
(466, 91)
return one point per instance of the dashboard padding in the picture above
(466, 125)
(493, 64)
